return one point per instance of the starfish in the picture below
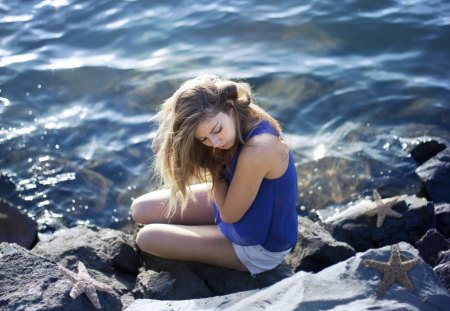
(384, 209)
(395, 270)
(84, 283)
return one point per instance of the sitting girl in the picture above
(231, 177)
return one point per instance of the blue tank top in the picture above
(271, 220)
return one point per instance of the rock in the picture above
(31, 282)
(316, 249)
(201, 276)
(7, 185)
(338, 178)
(426, 149)
(173, 285)
(442, 268)
(347, 285)
(435, 173)
(105, 249)
(442, 211)
(430, 245)
(357, 225)
(16, 227)
(110, 253)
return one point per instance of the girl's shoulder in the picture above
(264, 145)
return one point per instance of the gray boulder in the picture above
(357, 225)
(31, 282)
(348, 285)
(106, 249)
(110, 254)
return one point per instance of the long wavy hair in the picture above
(181, 159)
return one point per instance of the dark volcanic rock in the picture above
(203, 278)
(442, 211)
(16, 227)
(442, 268)
(347, 285)
(316, 249)
(430, 245)
(357, 225)
(426, 150)
(170, 285)
(435, 173)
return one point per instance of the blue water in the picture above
(355, 84)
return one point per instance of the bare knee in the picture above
(137, 211)
(149, 239)
(146, 212)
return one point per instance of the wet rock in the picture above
(435, 173)
(347, 285)
(16, 227)
(31, 282)
(442, 211)
(430, 245)
(427, 149)
(7, 185)
(442, 268)
(357, 225)
(316, 249)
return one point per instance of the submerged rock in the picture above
(16, 227)
(426, 149)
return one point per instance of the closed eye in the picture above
(218, 131)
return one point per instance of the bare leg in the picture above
(190, 236)
(151, 208)
(204, 244)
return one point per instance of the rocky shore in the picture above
(327, 270)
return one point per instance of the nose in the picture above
(215, 141)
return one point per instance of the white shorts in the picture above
(257, 259)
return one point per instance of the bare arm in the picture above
(254, 162)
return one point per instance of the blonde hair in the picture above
(181, 159)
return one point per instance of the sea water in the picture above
(355, 85)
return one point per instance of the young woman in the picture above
(231, 177)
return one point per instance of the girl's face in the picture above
(218, 131)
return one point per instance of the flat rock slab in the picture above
(347, 285)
